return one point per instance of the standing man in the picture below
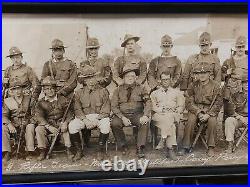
(49, 113)
(25, 75)
(204, 55)
(203, 102)
(131, 106)
(167, 105)
(238, 92)
(236, 64)
(92, 109)
(166, 63)
(61, 69)
(99, 65)
(130, 60)
(15, 114)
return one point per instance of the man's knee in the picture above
(40, 129)
(105, 125)
(75, 125)
(30, 128)
(192, 119)
(116, 122)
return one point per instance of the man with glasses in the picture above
(166, 63)
(236, 64)
(204, 55)
(61, 69)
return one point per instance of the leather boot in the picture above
(171, 154)
(6, 157)
(140, 152)
(210, 151)
(29, 155)
(76, 141)
(69, 153)
(229, 149)
(42, 155)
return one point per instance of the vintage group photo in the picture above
(158, 90)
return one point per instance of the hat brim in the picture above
(136, 38)
(62, 47)
(206, 43)
(137, 72)
(93, 46)
(14, 55)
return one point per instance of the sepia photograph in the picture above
(120, 92)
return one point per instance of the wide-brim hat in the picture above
(14, 51)
(129, 37)
(57, 44)
(241, 41)
(137, 72)
(202, 67)
(205, 38)
(48, 81)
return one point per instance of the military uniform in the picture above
(198, 101)
(130, 61)
(164, 64)
(188, 74)
(17, 113)
(99, 65)
(63, 71)
(240, 116)
(133, 102)
(167, 106)
(237, 65)
(25, 75)
(49, 113)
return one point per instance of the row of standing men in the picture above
(131, 104)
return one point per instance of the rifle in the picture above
(59, 129)
(202, 125)
(21, 132)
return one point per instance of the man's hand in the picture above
(64, 127)
(126, 121)
(144, 120)
(204, 117)
(12, 129)
(243, 120)
(229, 71)
(53, 130)
(89, 124)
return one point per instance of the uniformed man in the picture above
(99, 65)
(236, 64)
(22, 72)
(203, 103)
(167, 105)
(130, 60)
(238, 94)
(49, 113)
(164, 64)
(92, 110)
(15, 114)
(61, 69)
(131, 106)
(204, 55)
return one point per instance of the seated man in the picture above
(16, 112)
(131, 106)
(239, 119)
(49, 113)
(92, 109)
(167, 105)
(203, 103)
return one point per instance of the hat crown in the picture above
(56, 43)
(14, 51)
(166, 39)
(87, 71)
(48, 81)
(241, 40)
(93, 42)
(205, 37)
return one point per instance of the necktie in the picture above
(129, 90)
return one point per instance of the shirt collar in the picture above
(47, 99)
